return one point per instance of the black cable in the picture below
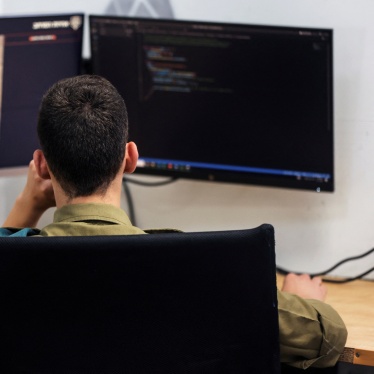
(150, 184)
(328, 280)
(343, 262)
(344, 280)
(130, 203)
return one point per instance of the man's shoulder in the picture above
(24, 232)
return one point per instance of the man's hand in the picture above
(36, 197)
(305, 286)
(37, 191)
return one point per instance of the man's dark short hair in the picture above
(83, 130)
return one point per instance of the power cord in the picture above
(129, 199)
(150, 184)
(344, 280)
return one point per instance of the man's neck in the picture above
(91, 199)
(111, 196)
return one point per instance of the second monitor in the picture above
(35, 52)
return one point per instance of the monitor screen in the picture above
(223, 102)
(35, 52)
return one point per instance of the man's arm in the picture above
(36, 197)
(311, 332)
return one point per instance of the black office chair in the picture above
(167, 303)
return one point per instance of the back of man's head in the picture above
(83, 129)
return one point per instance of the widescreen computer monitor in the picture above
(35, 52)
(223, 102)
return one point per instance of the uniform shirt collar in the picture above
(91, 212)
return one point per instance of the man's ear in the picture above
(131, 158)
(41, 164)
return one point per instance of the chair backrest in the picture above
(167, 303)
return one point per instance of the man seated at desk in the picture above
(83, 132)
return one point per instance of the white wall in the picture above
(313, 231)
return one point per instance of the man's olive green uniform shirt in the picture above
(311, 332)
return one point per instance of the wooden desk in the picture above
(354, 301)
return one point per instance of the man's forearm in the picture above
(311, 333)
(23, 214)
(36, 197)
